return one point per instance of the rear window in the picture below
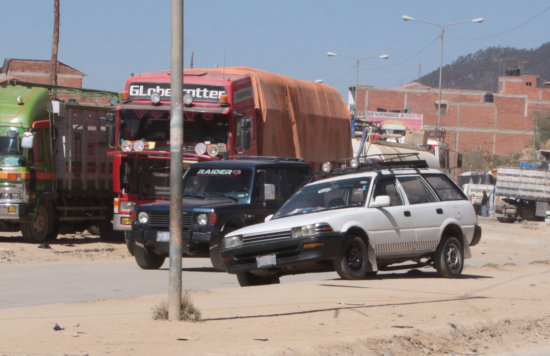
(444, 187)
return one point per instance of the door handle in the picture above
(407, 213)
(439, 211)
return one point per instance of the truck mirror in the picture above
(459, 160)
(245, 139)
(111, 135)
(13, 134)
(27, 141)
(269, 191)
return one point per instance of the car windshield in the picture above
(10, 151)
(325, 196)
(227, 182)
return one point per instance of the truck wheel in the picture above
(146, 258)
(449, 258)
(108, 234)
(38, 226)
(247, 279)
(353, 260)
(52, 235)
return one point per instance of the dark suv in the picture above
(218, 197)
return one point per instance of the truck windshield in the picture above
(10, 152)
(339, 194)
(154, 125)
(226, 182)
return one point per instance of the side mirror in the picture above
(269, 191)
(245, 139)
(111, 132)
(27, 141)
(380, 201)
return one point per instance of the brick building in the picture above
(498, 123)
(38, 71)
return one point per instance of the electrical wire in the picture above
(506, 31)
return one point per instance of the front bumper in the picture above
(292, 255)
(13, 211)
(118, 222)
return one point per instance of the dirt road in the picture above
(499, 307)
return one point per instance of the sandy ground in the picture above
(499, 307)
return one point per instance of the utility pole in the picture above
(176, 161)
(55, 43)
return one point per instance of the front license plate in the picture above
(266, 260)
(163, 236)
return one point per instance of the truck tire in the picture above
(353, 260)
(247, 279)
(38, 226)
(108, 234)
(449, 258)
(146, 258)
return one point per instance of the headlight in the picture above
(143, 217)
(188, 99)
(155, 98)
(127, 205)
(212, 150)
(126, 146)
(310, 230)
(200, 148)
(326, 167)
(233, 241)
(139, 145)
(202, 219)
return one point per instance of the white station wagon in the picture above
(357, 224)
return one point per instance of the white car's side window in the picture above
(387, 186)
(417, 191)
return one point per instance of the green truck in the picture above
(55, 175)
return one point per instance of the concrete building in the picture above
(497, 123)
(38, 71)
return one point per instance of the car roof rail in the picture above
(267, 158)
(375, 162)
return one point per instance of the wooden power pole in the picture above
(55, 43)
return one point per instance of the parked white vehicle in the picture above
(358, 223)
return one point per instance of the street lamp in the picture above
(441, 36)
(357, 61)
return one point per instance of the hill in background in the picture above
(480, 71)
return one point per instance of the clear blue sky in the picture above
(108, 39)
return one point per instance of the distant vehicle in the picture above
(523, 192)
(474, 183)
(218, 197)
(371, 218)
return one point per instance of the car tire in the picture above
(146, 258)
(353, 262)
(449, 258)
(130, 244)
(247, 279)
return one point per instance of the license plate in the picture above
(266, 260)
(163, 236)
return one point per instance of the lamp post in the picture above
(442, 29)
(357, 61)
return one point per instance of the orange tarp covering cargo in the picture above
(298, 118)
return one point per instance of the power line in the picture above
(506, 31)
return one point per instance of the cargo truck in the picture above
(55, 175)
(522, 192)
(236, 111)
(230, 113)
